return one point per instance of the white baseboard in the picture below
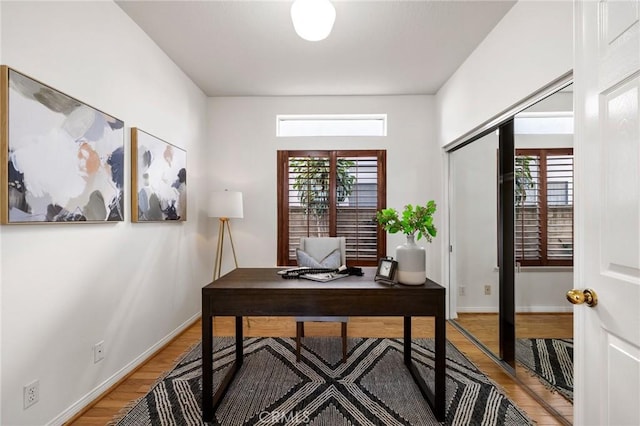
(104, 386)
(478, 310)
(544, 309)
(519, 309)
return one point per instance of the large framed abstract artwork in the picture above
(159, 179)
(62, 160)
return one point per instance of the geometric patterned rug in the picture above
(551, 361)
(372, 388)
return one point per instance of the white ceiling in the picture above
(249, 48)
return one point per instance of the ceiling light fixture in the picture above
(313, 19)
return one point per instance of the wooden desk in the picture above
(262, 292)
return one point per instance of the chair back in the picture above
(320, 247)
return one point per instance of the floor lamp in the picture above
(224, 205)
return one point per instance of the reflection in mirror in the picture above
(473, 229)
(544, 248)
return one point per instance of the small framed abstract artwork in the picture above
(159, 179)
(62, 160)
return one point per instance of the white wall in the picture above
(529, 48)
(66, 287)
(244, 130)
(474, 226)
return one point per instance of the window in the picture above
(544, 123)
(332, 125)
(544, 207)
(332, 193)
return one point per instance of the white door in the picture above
(607, 224)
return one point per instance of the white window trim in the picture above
(319, 118)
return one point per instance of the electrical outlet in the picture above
(487, 290)
(31, 393)
(462, 291)
(98, 352)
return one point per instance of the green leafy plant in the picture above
(312, 182)
(523, 179)
(413, 219)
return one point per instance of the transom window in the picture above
(328, 194)
(332, 125)
(544, 207)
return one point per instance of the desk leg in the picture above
(210, 405)
(435, 398)
(440, 364)
(407, 340)
(239, 341)
(207, 362)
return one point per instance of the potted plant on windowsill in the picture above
(413, 220)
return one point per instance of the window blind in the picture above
(308, 199)
(331, 193)
(355, 214)
(544, 207)
(560, 207)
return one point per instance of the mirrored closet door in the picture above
(543, 137)
(511, 244)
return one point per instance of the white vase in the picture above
(412, 263)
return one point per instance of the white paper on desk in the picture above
(323, 276)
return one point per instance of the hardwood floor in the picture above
(528, 325)
(139, 382)
(484, 326)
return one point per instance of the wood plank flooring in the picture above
(528, 325)
(140, 381)
(484, 326)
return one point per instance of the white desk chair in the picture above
(322, 249)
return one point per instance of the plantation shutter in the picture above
(560, 207)
(331, 193)
(544, 207)
(355, 214)
(528, 229)
(308, 199)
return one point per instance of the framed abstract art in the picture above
(62, 160)
(159, 179)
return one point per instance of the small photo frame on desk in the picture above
(386, 272)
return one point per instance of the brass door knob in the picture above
(578, 297)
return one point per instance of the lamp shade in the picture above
(226, 204)
(313, 19)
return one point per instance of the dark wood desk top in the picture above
(268, 278)
(261, 291)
